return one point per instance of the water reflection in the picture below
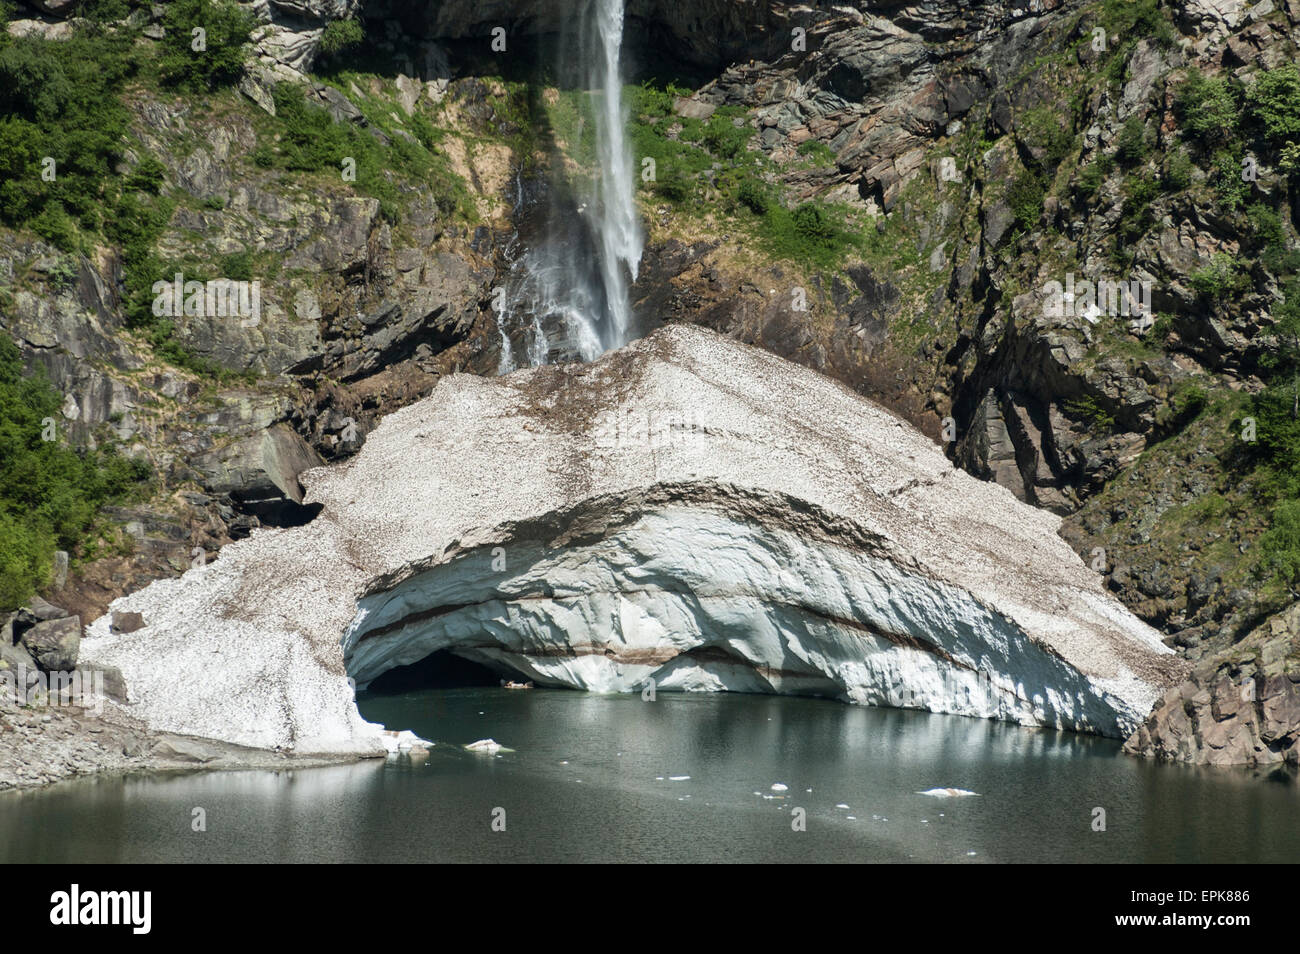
(592, 778)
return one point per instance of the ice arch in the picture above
(687, 509)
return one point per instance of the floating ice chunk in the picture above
(679, 778)
(404, 741)
(842, 805)
(778, 787)
(485, 746)
(947, 792)
(851, 817)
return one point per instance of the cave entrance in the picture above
(442, 669)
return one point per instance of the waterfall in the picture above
(569, 294)
(618, 229)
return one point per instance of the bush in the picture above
(1025, 196)
(1041, 128)
(1094, 176)
(753, 195)
(1280, 544)
(237, 266)
(147, 176)
(1190, 401)
(1178, 171)
(1132, 145)
(49, 493)
(227, 28)
(1209, 109)
(1221, 279)
(1273, 105)
(1091, 412)
(340, 35)
(818, 152)
(723, 138)
(812, 222)
(1136, 216)
(1225, 176)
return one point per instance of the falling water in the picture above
(619, 229)
(570, 294)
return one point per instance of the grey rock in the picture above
(127, 622)
(54, 644)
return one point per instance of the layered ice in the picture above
(687, 513)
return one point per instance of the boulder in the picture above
(15, 663)
(124, 622)
(114, 686)
(54, 644)
(259, 471)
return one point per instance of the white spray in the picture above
(577, 293)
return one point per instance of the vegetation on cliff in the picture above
(50, 494)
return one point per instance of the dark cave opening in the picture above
(439, 670)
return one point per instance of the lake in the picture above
(685, 777)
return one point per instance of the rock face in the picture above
(687, 509)
(1239, 711)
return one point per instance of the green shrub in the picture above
(340, 35)
(1025, 196)
(1225, 176)
(1178, 171)
(753, 195)
(1221, 279)
(1273, 105)
(60, 112)
(1094, 176)
(817, 152)
(220, 63)
(723, 138)
(147, 176)
(1132, 19)
(1280, 544)
(106, 11)
(56, 227)
(1087, 408)
(237, 266)
(49, 493)
(1189, 401)
(1041, 128)
(1209, 109)
(1132, 146)
(1136, 216)
(1162, 327)
(812, 222)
